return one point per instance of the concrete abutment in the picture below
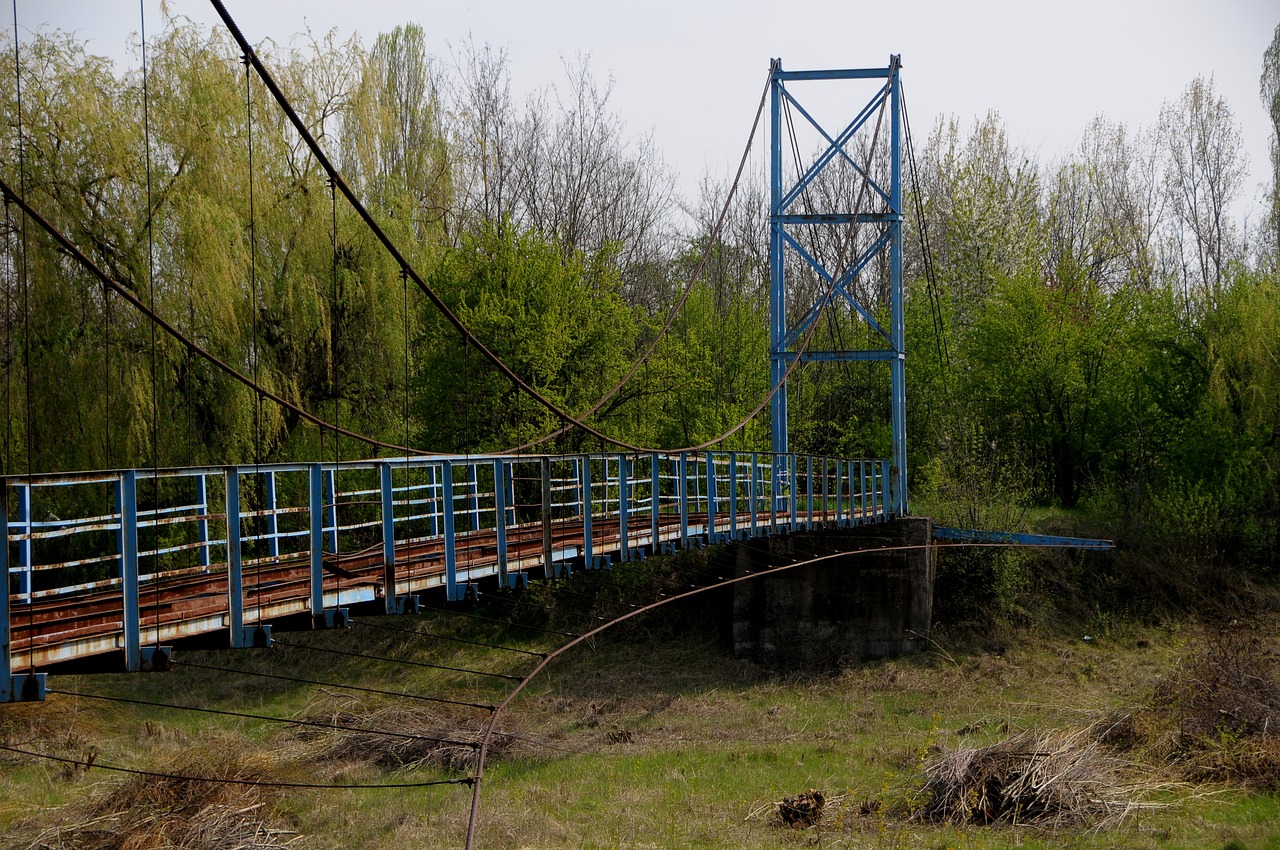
(873, 601)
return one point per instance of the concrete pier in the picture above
(857, 606)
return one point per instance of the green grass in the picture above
(638, 741)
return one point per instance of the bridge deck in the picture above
(220, 562)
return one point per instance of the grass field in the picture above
(652, 737)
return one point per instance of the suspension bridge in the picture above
(158, 555)
(114, 569)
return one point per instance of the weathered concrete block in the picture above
(873, 600)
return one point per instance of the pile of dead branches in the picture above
(802, 810)
(1050, 778)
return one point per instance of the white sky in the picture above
(691, 71)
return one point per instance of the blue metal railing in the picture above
(281, 539)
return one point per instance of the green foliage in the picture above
(557, 320)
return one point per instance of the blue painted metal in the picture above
(897, 322)
(808, 484)
(711, 498)
(684, 499)
(655, 503)
(587, 508)
(733, 496)
(14, 687)
(677, 491)
(235, 576)
(473, 488)
(24, 545)
(970, 535)
(331, 507)
(315, 492)
(500, 519)
(777, 275)
(273, 524)
(862, 482)
(127, 499)
(783, 337)
(388, 538)
(752, 494)
(624, 509)
(202, 525)
(451, 589)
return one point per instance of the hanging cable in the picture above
(124, 291)
(151, 293)
(712, 239)
(926, 250)
(309, 140)
(25, 284)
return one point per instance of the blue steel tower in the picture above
(795, 218)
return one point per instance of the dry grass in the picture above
(439, 739)
(1223, 703)
(1055, 778)
(149, 813)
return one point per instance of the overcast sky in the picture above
(691, 71)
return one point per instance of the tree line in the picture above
(1093, 332)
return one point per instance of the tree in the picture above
(557, 320)
(1204, 173)
(1270, 89)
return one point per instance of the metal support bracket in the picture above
(332, 618)
(23, 687)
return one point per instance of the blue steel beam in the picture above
(835, 147)
(20, 687)
(971, 535)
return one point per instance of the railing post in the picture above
(331, 506)
(24, 546)
(584, 489)
(862, 496)
(26, 687)
(6, 640)
(733, 495)
(500, 512)
(127, 500)
(547, 549)
(885, 478)
(450, 544)
(684, 499)
(624, 508)
(273, 524)
(235, 574)
(202, 524)
(793, 496)
(655, 503)
(473, 484)
(826, 490)
(316, 487)
(711, 498)
(388, 539)
(808, 485)
(435, 510)
(753, 494)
